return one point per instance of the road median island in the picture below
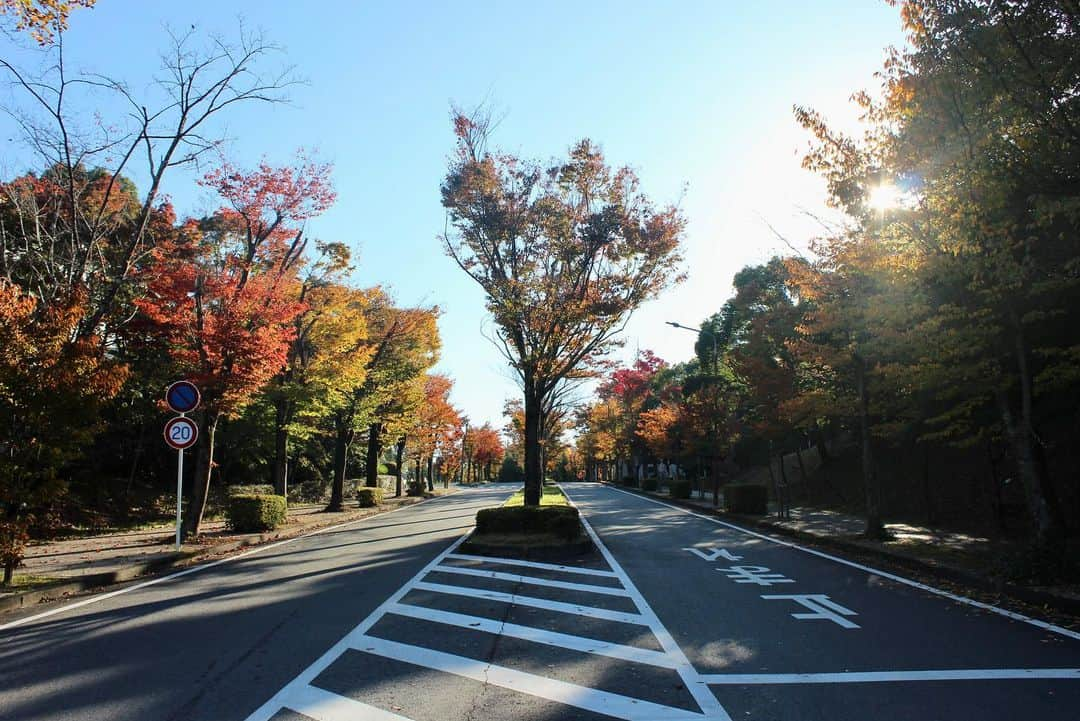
(970, 581)
(551, 531)
(132, 564)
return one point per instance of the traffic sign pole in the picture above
(180, 433)
(179, 491)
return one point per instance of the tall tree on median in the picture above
(564, 253)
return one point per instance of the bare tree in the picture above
(84, 241)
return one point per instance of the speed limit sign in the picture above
(181, 433)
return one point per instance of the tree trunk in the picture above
(399, 470)
(802, 468)
(534, 478)
(343, 435)
(431, 472)
(200, 482)
(822, 447)
(374, 447)
(874, 526)
(1046, 514)
(281, 447)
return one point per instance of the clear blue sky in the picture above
(696, 96)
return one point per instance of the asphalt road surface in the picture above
(677, 616)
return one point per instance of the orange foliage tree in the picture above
(220, 294)
(50, 391)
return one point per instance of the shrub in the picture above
(679, 489)
(629, 481)
(559, 521)
(255, 513)
(368, 497)
(746, 498)
(388, 469)
(649, 484)
(255, 489)
(510, 470)
(415, 488)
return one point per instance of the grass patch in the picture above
(552, 496)
(26, 582)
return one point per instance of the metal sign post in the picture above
(181, 433)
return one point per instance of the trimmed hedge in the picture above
(629, 481)
(679, 489)
(368, 497)
(251, 513)
(255, 489)
(649, 484)
(559, 521)
(746, 498)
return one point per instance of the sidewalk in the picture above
(958, 557)
(61, 567)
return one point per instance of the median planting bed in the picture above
(549, 530)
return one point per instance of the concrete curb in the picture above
(1059, 602)
(59, 589)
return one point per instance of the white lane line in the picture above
(544, 603)
(532, 564)
(325, 706)
(195, 569)
(590, 699)
(499, 576)
(868, 569)
(984, 674)
(278, 700)
(537, 635)
(690, 677)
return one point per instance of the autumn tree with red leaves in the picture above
(220, 294)
(51, 388)
(487, 449)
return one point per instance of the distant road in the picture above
(677, 617)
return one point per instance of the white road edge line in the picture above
(201, 567)
(590, 699)
(532, 564)
(516, 578)
(560, 606)
(984, 674)
(537, 635)
(297, 686)
(868, 569)
(708, 702)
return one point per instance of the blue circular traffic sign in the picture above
(182, 396)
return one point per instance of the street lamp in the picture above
(712, 335)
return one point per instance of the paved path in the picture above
(677, 617)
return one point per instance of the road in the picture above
(678, 616)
